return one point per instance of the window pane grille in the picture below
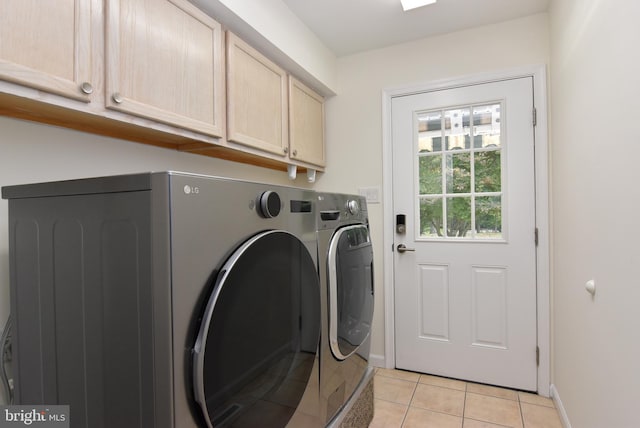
(460, 173)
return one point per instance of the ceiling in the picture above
(350, 26)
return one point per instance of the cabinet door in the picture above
(45, 45)
(256, 99)
(306, 124)
(164, 62)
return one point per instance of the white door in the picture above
(465, 287)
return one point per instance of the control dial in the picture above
(353, 207)
(269, 204)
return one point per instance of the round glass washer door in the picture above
(350, 265)
(259, 336)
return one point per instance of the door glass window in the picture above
(460, 173)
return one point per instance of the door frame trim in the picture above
(543, 306)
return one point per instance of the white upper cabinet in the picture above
(270, 111)
(154, 71)
(46, 45)
(306, 124)
(256, 99)
(164, 62)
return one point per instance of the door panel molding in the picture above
(434, 294)
(538, 75)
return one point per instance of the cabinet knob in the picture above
(117, 98)
(295, 152)
(286, 150)
(86, 88)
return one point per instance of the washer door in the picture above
(259, 335)
(350, 264)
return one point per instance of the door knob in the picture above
(403, 249)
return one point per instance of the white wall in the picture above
(354, 117)
(32, 152)
(595, 93)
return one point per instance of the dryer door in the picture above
(350, 264)
(257, 345)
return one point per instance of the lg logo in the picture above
(191, 190)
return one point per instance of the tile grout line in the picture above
(409, 404)
(464, 402)
(520, 408)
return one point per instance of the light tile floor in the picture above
(411, 400)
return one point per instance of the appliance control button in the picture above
(353, 207)
(329, 215)
(269, 204)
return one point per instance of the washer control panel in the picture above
(269, 204)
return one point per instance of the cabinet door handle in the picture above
(86, 88)
(117, 98)
(286, 150)
(295, 153)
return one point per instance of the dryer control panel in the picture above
(336, 208)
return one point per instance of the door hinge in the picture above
(537, 355)
(535, 116)
(535, 236)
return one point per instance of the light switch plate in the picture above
(372, 194)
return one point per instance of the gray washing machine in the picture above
(166, 300)
(345, 258)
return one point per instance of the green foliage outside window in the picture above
(457, 204)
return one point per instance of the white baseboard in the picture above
(376, 360)
(560, 407)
